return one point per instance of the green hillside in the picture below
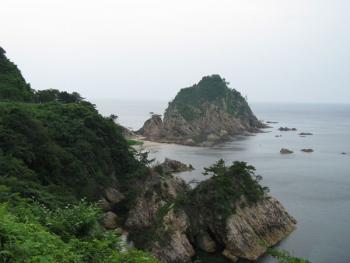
(55, 149)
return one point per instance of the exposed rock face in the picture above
(172, 230)
(173, 166)
(202, 115)
(154, 214)
(263, 225)
(113, 195)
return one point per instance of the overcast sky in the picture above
(269, 50)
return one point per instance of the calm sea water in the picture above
(314, 188)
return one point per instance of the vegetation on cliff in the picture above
(206, 113)
(227, 186)
(191, 102)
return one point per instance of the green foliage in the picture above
(72, 221)
(51, 95)
(134, 142)
(192, 102)
(284, 256)
(25, 237)
(68, 145)
(54, 149)
(12, 84)
(218, 196)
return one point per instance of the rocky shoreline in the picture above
(163, 222)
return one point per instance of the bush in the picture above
(26, 237)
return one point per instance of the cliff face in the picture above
(202, 114)
(171, 220)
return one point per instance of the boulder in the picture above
(109, 220)
(285, 151)
(173, 166)
(307, 150)
(305, 133)
(287, 129)
(113, 195)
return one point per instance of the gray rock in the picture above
(305, 133)
(109, 220)
(246, 233)
(113, 195)
(173, 166)
(287, 129)
(286, 151)
(307, 150)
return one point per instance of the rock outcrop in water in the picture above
(172, 221)
(203, 114)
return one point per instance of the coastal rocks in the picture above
(202, 115)
(248, 231)
(305, 133)
(285, 151)
(173, 166)
(307, 150)
(155, 192)
(287, 129)
(172, 244)
(171, 220)
(265, 224)
(152, 128)
(113, 195)
(154, 213)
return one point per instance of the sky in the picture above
(269, 50)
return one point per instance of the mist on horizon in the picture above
(270, 51)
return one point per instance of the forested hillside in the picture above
(55, 149)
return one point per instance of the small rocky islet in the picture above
(203, 114)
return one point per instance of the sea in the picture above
(313, 187)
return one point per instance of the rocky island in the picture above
(203, 114)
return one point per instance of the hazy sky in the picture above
(269, 50)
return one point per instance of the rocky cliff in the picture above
(239, 219)
(203, 114)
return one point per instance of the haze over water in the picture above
(314, 187)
